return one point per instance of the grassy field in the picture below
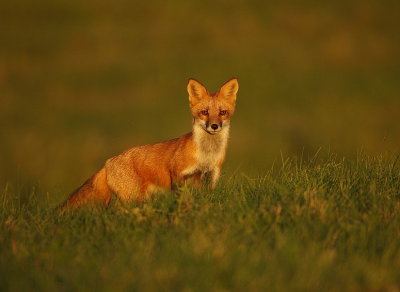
(81, 81)
(309, 226)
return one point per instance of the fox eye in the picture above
(223, 113)
(204, 113)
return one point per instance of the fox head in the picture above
(212, 111)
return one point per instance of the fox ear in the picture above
(196, 91)
(229, 90)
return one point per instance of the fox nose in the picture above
(214, 126)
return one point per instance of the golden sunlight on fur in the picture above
(142, 171)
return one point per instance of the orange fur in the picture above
(141, 171)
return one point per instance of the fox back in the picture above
(142, 171)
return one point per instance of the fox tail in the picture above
(95, 190)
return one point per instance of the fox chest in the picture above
(209, 152)
(209, 161)
(204, 162)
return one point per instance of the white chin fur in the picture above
(212, 132)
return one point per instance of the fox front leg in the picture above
(215, 174)
(209, 179)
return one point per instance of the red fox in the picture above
(142, 171)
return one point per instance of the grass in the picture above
(318, 225)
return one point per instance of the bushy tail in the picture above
(95, 190)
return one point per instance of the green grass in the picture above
(315, 225)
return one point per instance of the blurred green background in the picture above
(81, 81)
